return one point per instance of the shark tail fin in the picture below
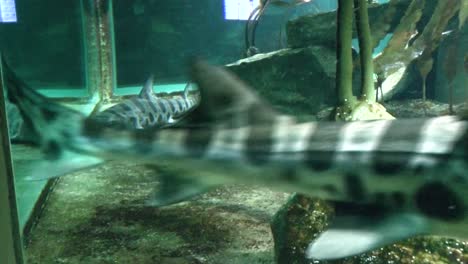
(50, 121)
(147, 90)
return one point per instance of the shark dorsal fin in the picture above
(147, 90)
(186, 91)
(224, 97)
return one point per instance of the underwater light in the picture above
(239, 9)
(7, 11)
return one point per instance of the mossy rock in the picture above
(362, 110)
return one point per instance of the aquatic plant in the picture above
(254, 18)
(450, 67)
(350, 107)
(408, 45)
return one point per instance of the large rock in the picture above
(451, 67)
(320, 29)
(296, 81)
(295, 225)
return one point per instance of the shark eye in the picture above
(437, 200)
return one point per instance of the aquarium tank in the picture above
(234, 131)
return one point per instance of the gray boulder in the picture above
(295, 81)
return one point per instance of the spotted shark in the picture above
(147, 109)
(406, 177)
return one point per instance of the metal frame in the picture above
(11, 249)
(98, 47)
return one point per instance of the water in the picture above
(101, 214)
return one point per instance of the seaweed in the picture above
(395, 56)
(349, 107)
(450, 68)
(410, 46)
(431, 37)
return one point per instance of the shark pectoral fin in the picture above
(353, 235)
(175, 119)
(67, 164)
(174, 189)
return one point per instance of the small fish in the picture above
(406, 176)
(148, 110)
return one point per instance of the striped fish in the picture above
(407, 176)
(147, 109)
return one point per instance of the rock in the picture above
(363, 111)
(295, 225)
(414, 108)
(398, 77)
(296, 81)
(451, 67)
(320, 29)
(419, 108)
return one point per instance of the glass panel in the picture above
(159, 37)
(105, 213)
(11, 249)
(45, 45)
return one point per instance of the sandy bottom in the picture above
(99, 216)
